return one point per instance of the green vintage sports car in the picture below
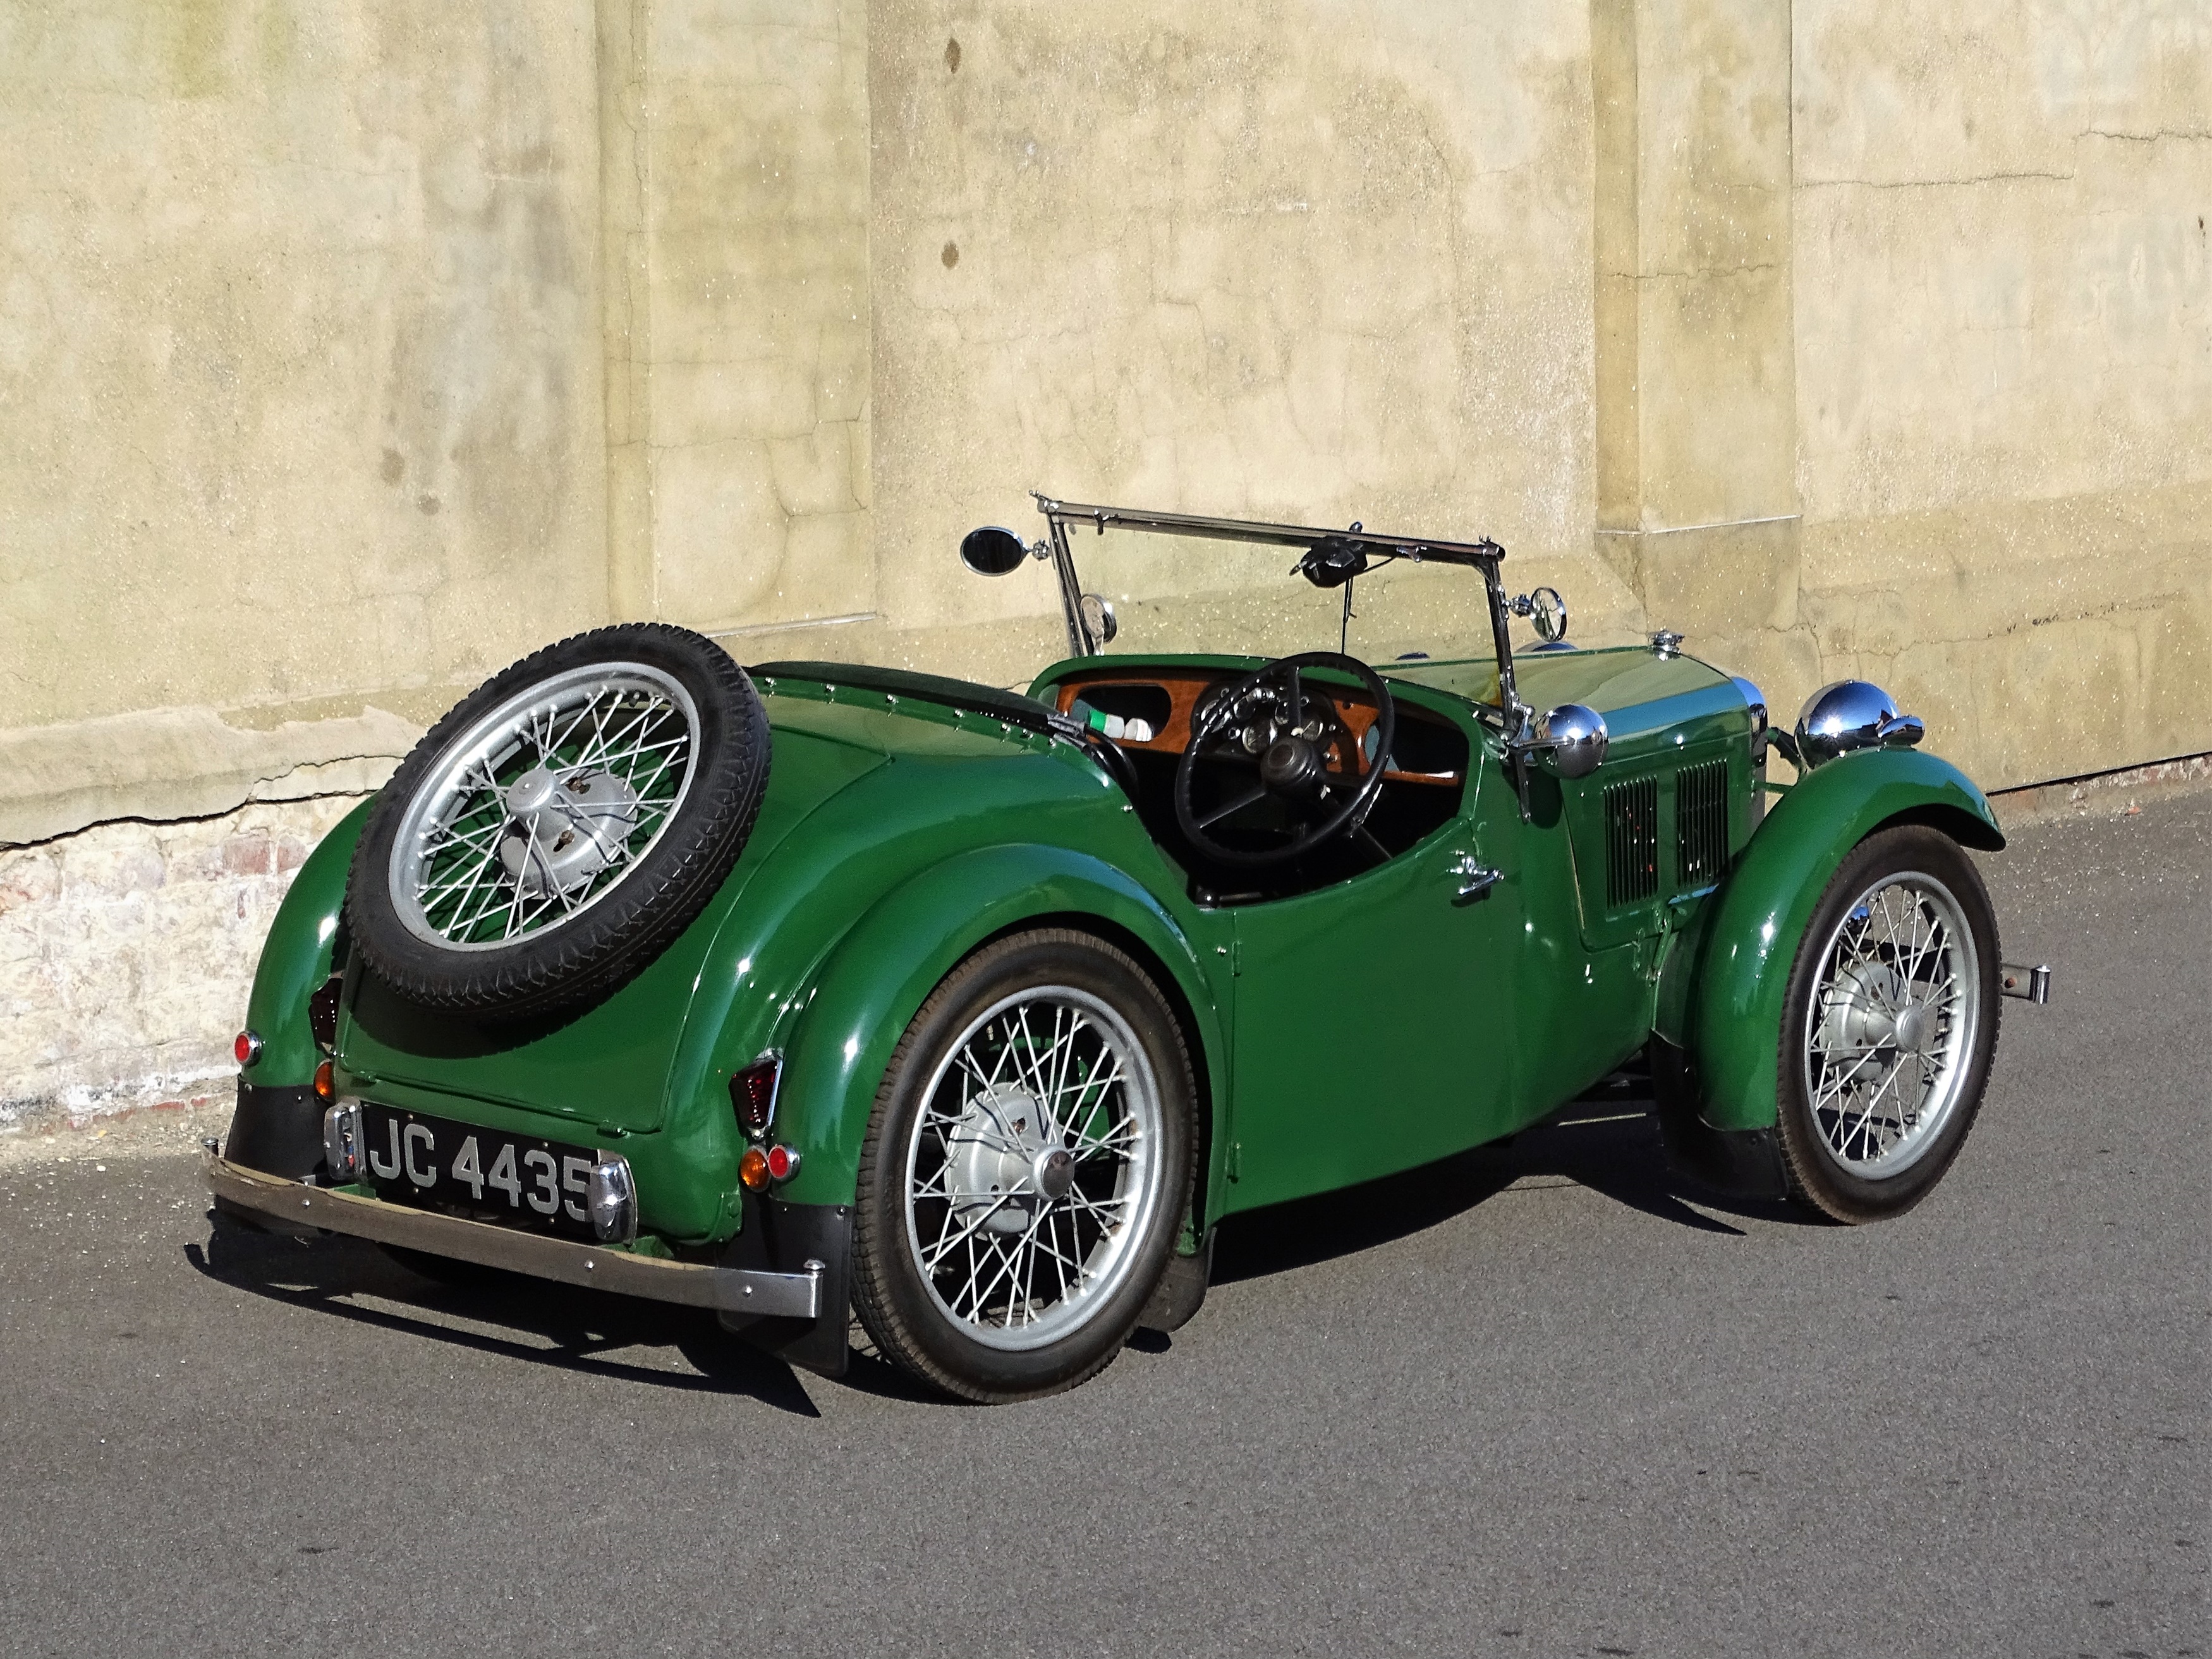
(817, 989)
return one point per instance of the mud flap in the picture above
(276, 1130)
(1181, 1290)
(1746, 1163)
(780, 1237)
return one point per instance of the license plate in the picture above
(466, 1170)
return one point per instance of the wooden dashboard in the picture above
(1166, 702)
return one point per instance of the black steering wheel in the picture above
(1298, 751)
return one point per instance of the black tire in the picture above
(903, 1314)
(1820, 1172)
(579, 957)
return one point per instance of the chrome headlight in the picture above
(1577, 738)
(1850, 714)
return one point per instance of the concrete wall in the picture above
(735, 138)
(2004, 358)
(1317, 262)
(299, 388)
(125, 950)
(351, 348)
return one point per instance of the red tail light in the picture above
(247, 1048)
(752, 1093)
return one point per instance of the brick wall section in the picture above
(127, 950)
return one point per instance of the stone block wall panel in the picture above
(1293, 260)
(2004, 370)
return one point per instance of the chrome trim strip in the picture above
(736, 1289)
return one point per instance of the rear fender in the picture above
(278, 1124)
(1721, 997)
(296, 960)
(870, 987)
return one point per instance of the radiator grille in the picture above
(1631, 840)
(1701, 822)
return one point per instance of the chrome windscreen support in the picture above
(1071, 592)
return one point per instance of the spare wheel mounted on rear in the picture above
(562, 826)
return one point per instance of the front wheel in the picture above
(1889, 1028)
(1025, 1170)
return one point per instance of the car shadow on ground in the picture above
(506, 1313)
(1607, 1141)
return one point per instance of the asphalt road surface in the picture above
(1536, 1401)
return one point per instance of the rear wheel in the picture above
(1889, 1027)
(1026, 1170)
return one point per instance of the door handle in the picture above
(1474, 877)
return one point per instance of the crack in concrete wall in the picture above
(183, 764)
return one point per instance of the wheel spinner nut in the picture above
(1912, 1028)
(1055, 1173)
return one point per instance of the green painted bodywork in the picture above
(1338, 1035)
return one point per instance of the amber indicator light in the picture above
(752, 1169)
(325, 1084)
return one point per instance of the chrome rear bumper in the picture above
(731, 1290)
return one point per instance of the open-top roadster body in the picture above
(823, 989)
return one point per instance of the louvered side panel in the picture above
(1631, 840)
(1701, 804)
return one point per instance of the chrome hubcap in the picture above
(1034, 1168)
(1891, 1023)
(564, 830)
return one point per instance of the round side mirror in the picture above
(991, 551)
(1576, 738)
(1099, 617)
(1547, 611)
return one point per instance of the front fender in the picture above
(1727, 1011)
(869, 988)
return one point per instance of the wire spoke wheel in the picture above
(1033, 1166)
(1026, 1170)
(544, 805)
(1891, 1023)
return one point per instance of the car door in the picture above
(1373, 1025)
